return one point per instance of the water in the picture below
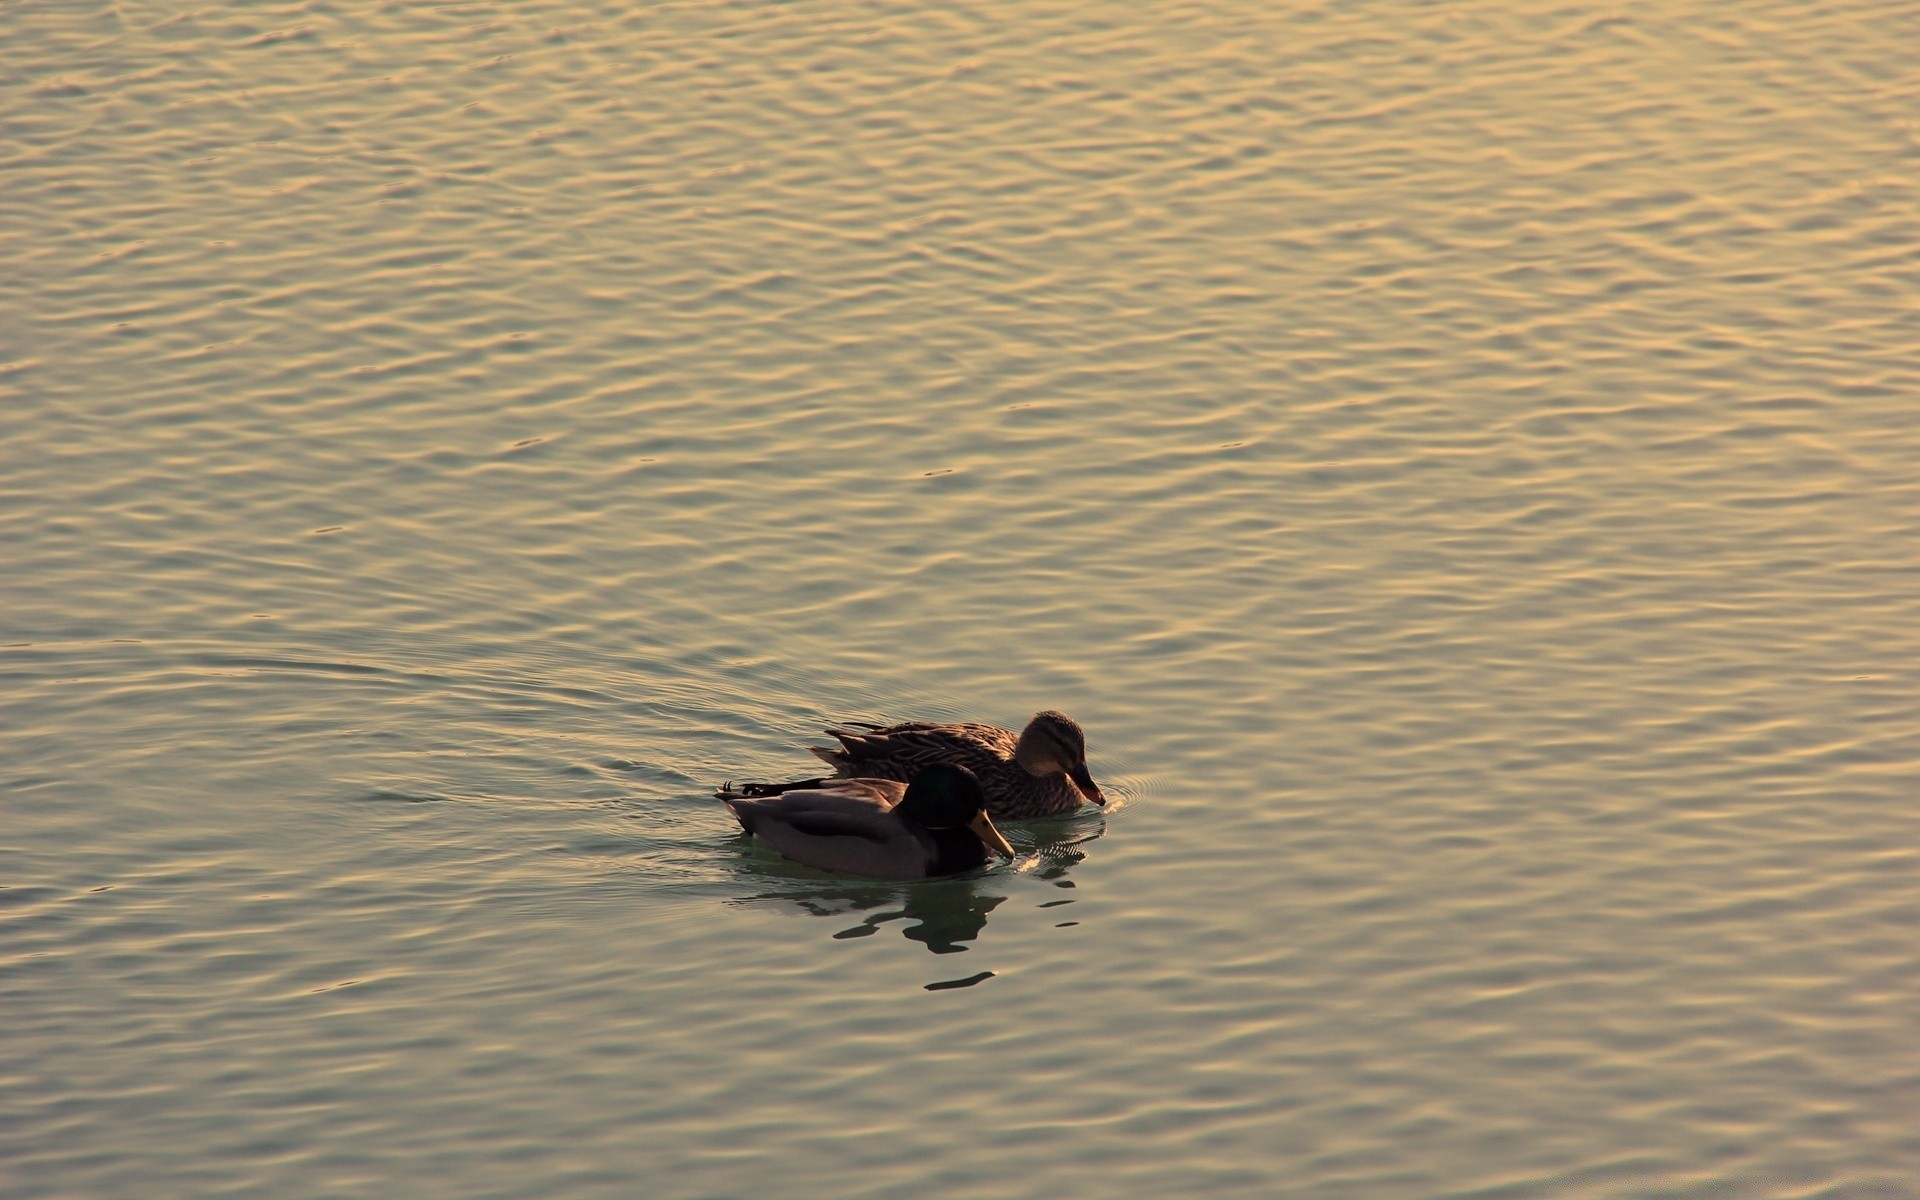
(1458, 463)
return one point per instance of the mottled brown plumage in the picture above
(1036, 773)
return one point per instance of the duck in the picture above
(936, 824)
(1039, 772)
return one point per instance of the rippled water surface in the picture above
(1460, 462)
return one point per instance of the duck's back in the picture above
(899, 751)
(846, 825)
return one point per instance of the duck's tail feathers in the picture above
(852, 734)
(758, 791)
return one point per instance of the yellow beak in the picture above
(983, 825)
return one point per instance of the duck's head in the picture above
(945, 796)
(1052, 744)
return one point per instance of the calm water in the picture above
(1461, 463)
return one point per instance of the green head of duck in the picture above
(946, 796)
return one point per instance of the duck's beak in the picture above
(1085, 783)
(983, 825)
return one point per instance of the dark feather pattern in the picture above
(1012, 792)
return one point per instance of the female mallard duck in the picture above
(1041, 772)
(935, 825)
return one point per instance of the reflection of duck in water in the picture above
(944, 915)
(935, 825)
(1036, 773)
(941, 914)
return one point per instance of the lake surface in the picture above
(1460, 463)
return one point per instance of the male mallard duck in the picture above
(935, 825)
(1041, 772)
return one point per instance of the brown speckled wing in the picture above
(899, 751)
(905, 748)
